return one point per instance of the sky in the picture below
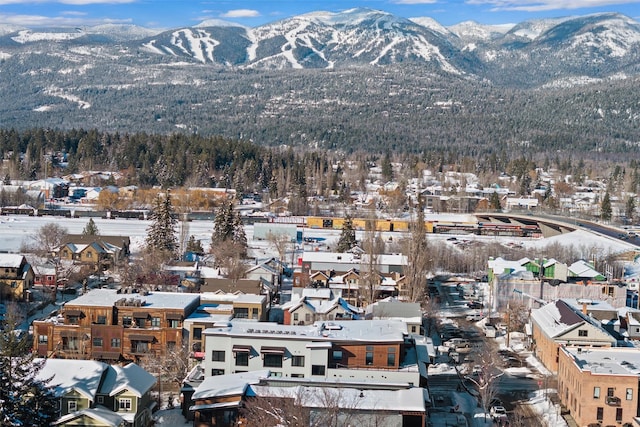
(167, 14)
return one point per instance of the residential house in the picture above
(305, 311)
(97, 394)
(393, 309)
(218, 401)
(561, 324)
(45, 275)
(16, 277)
(599, 386)
(99, 252)
(377, 350)
(110, 325)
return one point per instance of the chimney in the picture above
(584, 308)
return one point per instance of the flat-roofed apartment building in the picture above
(379, 350)
(108, 325)
(600, 386)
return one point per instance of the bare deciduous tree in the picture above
(46, 239)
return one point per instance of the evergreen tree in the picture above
(25, 399)
(494, 201)
(605, 207)
(630, 209)
(194, 245)
(161, 234)
(387, 168)
(91, 229)
(223, 223)
(228, 227)
(347, 236)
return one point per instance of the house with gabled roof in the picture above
(100, 252)
(16, 277)
(305, 310)
(562, 324)
(97, 394)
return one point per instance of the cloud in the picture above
(544, 5)
(72, 2)
(62, 21)
(414, 1)
(241, 13)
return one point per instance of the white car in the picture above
(498, 413)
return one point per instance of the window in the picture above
(140, 322)
(155, 322)
(43, 339)
(115, 342)
(100, 400)
(140, 347)
(618, 414)
(272, 361)
(610, 392)
(596, 392)
(73, 406)
(89, 254)
(215, 372)
(583, 333)
(391, 356)
(73, 320)
(241, 313)
(413, 329)
(317, 369)
(297, 375)
(217, 356)
(295, 317)
(97, 342)
(197, 333)
(368, 359)
(174, 323)
(126, 321)
(124, 404)
(102, 320)
(307, 317)
(599, 413)
(297, 360)
(242, 359)
(337, 355)
(629, 394)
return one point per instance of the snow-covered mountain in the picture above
(593, 46)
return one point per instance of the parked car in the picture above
(475, 304)
(498, 413)
(475, 317)
(457, 343)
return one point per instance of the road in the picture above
(444, 386)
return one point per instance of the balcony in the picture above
(612, 401)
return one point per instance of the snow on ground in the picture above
(170, 418)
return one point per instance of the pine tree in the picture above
(605, 207)
(161, 234)
(25, 399)
(91, 229)
(223, 223)
(347, 238)
(194, 245)
(494, 201)
(239, 236)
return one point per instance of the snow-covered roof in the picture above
(582, 268)
(411, 399)
(83, 376)
(131, 377)
(349, 258)
(607, 361)
(387, 330)
(11, 260)
(228, 385)
(106, 297)
(99, 413)
(232, 297)
(556, 318)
